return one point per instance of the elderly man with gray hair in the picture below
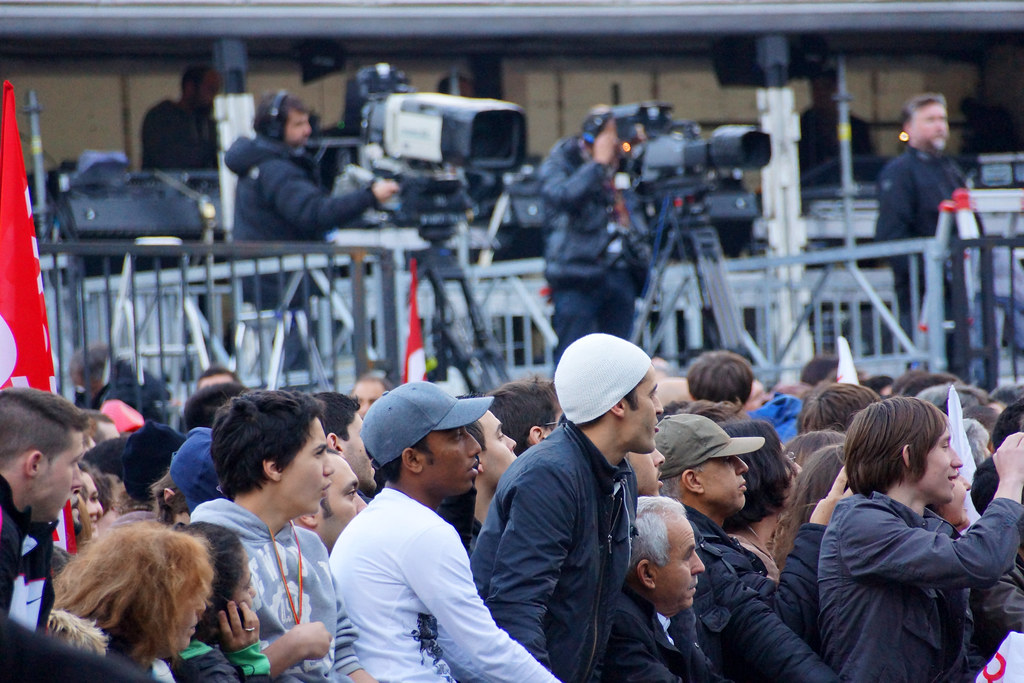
(661, 583)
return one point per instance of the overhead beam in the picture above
(341, 19)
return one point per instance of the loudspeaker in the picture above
(273, 125)
(142, 206)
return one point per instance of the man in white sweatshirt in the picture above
(401, 568)
(273, 464)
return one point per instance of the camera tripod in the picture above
(472, 352)
(694, 239)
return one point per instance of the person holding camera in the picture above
(590, 221)
(279, 196)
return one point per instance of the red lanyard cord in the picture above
(284, 579)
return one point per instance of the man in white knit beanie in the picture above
(554, 549)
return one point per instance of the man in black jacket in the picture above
(911, 187)
(588, 221)
(743, 621)
(554, 550)
(182, 134)
(662, 580)
(279, 195)
(42, 440)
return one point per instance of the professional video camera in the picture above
(675, 169)
(662, 147)
(428, 141)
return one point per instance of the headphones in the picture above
(272, 124)
(595, 123)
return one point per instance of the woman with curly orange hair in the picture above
(144, 584)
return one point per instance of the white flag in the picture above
(958, 441)
(846, 374)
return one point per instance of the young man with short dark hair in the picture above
(42, 440)
(554, 549)
(528, 410)
(720, 376)
(343, 423)
(402, 569)
(271, 457)
(338, 507)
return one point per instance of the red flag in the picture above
(415, 369)
(26, 359)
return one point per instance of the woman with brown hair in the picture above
(144, 584)
(769, 480)
(812, 484)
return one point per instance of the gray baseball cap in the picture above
(687, 441)
(406, 414)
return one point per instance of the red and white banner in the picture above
(26, 359)
(415, 369)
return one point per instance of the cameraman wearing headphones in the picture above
(279, 196)
(589, 218)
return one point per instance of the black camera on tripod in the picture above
(660, 148)
(675, 169)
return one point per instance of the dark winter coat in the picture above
(639, 649)
(33, 568)
(553, 552)
(910, 189)
(795, 597)
(578, 199)
(738, 628)
(893, 587)
(279, 197)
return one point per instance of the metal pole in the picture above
(40, 209)
(849, 191)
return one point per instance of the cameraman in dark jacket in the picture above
(588, 224)
(279, 195)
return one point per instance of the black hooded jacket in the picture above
(741, 635)
(554, 551)
(279, 197)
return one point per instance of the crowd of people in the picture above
(619, 522)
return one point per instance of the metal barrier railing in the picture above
(856, 303)
(278, 314)
(319, 315)
(987, 307)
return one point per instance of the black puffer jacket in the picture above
(795, 598)
(578, 198)
(735, 626)
(279, 196)
(554, 550)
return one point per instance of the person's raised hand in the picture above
(239, 627)
(301, 642)
(313, 639)
(606, 146)
(384, 190)
(1009, 459)
(826, 506)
